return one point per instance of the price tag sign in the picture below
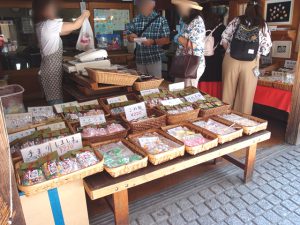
(41, 111)
(92, 120)
(53, 126)
(66, 144)
(171, 102)
(149, 92)
(147, 140)
(20, 135)
(93, 102)
(18, 120)
(194, 97)
(35, 152)
(176, 86)
(59, 108)
(278, 73)
(290, 64)
(136, 111)
(118, 99)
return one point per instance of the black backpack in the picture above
(245, 43)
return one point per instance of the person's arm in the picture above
(69, 27)
(164, 36)
(228, 33)
(131, 31)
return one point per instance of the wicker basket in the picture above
(182, 117)
(125, 169)
(158, 121)
(283, 86)
(263, 124)
(214, 111)
(161, 157)
(265, 83)
(212, 143)
(121, 134)
(112, 77)
(146, 85)
(107, 108)
(224, 138)
(54, 183)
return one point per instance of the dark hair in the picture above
(194, 13)
(38, 8)
(253, 15)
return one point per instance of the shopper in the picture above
(149, 24)
(191, 36)
(48, 30)
(245, 39)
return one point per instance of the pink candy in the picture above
(95, 132)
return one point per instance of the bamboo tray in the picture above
(125, 169)
(158, 121)
(164, 156)
(182, 117)
(223, 138)
(90, 140)
(263, 124)
(146, 85)
(54, 183)
(205, 133)
(107, 108)
(112, 77)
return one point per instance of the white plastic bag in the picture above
(86, 37)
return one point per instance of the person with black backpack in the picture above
(245, 39)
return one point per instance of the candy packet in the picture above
(86, 157)
(31, 173)
(50, 166)
(68, 163)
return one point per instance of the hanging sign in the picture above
(136, 111)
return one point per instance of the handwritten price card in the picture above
(118, 99)
(92, 120)
(41, 111)
(93, 102)
(149, 92)
(290, 64)
(35, 152)
(194, 97)
(176, 86)
(171, 102)
(53, 126)
(18, 120)
(66, 144)
(136, 111)
(59, 108)
(21, 134)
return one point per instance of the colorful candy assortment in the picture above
(240, 120)
(96, 131)
(215, 127)
(187, 136)
(117, 154)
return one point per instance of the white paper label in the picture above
(171, 102)
(59, 108)
(251, 51)
(118, 99)
(18, 120)
(147, 140)
(93, 102)
(35, 152)
(41, 111)
(92, 120)
(21, 134)
(290, 64)
(278, 73)
(53, 126)
(194, 97)
(66, 144)
(136, 111)
(149, 92)
(176, 86)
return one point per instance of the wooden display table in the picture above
(102, 185)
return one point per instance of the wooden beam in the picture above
(234, 161)
(250, 162)
(293, 128)
(121, 207)
(18, 217)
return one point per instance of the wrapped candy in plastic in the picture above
(240, 120)
(50, 166)
(86, 157)
(68, 164)
(215, 127)
(31, 173)
(114, 128)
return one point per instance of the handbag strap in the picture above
(148, 25)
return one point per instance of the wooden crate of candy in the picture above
(211, 106)
(225, 132)
(154, 99)
(52, 171)
(120, 157)
(35, 138)
(146, 83)
(112, 129)
(159, 146)
(195, 139)
(115, 105)
(250, 124)
(155, 119)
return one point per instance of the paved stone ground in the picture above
(220, 197)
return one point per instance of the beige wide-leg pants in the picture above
(239, 83)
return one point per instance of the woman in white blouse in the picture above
(49, 30)
(245, 39)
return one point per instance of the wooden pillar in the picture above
(18, 217)
(293, 128)
(121, 208)
(250, 162)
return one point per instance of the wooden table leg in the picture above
(217, 160)
(121, 208)
(249, 163)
